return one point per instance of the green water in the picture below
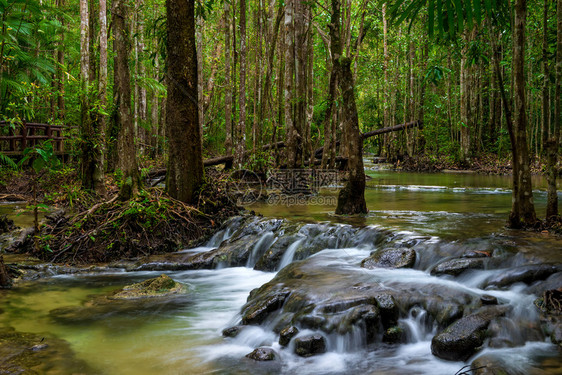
(187, 339)
(450, 206)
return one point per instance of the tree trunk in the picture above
(351, 199)
(227, 84)
(289, 71)
(99, 173)
(553, 143)
(185, 162)
(200, 93)
(241, 132)
(127, 161)
(524, 202)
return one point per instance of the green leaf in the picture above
(38, 165)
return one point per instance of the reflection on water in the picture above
(451, 206)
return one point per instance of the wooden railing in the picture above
(29, 134)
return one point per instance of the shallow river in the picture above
(441, 213)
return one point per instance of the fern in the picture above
(7, 161)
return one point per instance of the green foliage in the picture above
(42, 157)
(451, 17)
(23, 30)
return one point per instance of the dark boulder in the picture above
(390, 258)
(462, 339)
(256, 314)
(262, 354)
(487, 299)
(522, 274)
(232, 331)
(455, 267)
(287, 334)
(310, 345)
(393, 335)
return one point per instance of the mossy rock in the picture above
(160, 286)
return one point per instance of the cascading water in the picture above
(252, 260)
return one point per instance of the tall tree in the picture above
(241, 129)
(554, 141)
(127, 162)
(227, 84)
(351, 199)
(185, 161)
(523, 209)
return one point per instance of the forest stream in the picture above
(461, 261)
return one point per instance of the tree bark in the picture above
(227, 83)
(289, 72)
(523, 209)
(241, 131)
(99, 173)
(185, 162)
(554, 141)
(351, 199)
(127, 161)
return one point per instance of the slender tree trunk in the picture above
(241, 132)
(289, 72)
(554, 141)
(99, 173)
(526, 209)
(127, 161)
(185, 162)
(200, 93)
(87, 161)
(386, 83)
(227, 83)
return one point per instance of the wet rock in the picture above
(525, 274)
(339, 299)
(489, 365)
(393, 335)
(29, 353)
(150, 296)
(256, 314)
(270, 260)
(390, 258)
(232, 331)
(487, 299)
(161, 286)
(554, 281)
(262, 354)
(476, 254)
(388, 309)
(287, 334)
(462, 339)
(550, 305)
(455, 267)
(307, 346)
(6, 225)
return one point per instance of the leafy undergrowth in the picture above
(150, 223)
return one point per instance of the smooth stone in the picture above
(287, 334)
(390, 258)
(455, 267)
(463, 338)
(487, 299)
(262, 354)
(307, 346)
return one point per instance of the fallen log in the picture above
(228, 159)
(413, 124)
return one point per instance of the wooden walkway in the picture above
(29, 134)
